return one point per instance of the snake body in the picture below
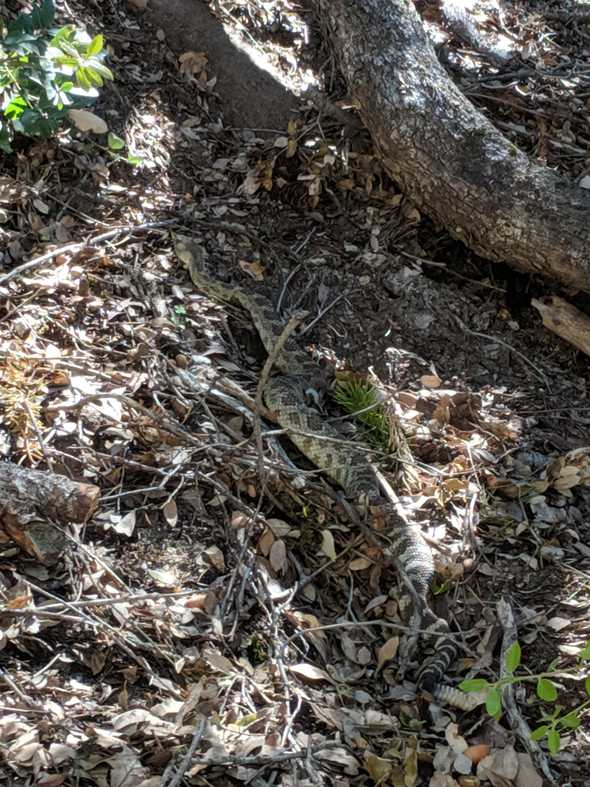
(321, 443)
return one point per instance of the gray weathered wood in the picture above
(448, 158)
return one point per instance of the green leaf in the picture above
(64, 33)
(571, 721)
(554, 740)
(99, 67)
(82, 78)
(135, 161)
(587, 685)
(114, 142)
(512, 659)
(43, 16)
(93, 76)
(540, 732)
(68, 60)
(494, 702)
(585, 652)
(15, 108)
(95, 46)
(477, 684)
(546, 690)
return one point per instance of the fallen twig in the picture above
(74, 247)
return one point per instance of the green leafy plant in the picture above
(116, 146)
(361, 399)
(554, 722)
(45, 72)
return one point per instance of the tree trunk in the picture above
(448, 158)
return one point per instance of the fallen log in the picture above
(565, 320)
(449, 159)
(31, 499)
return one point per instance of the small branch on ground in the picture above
(74, 247)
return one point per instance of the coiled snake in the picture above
(285, 395)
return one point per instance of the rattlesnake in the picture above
(286, 396)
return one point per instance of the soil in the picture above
(285, 194)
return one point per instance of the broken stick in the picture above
(30, 499)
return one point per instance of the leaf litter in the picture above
(193, 613)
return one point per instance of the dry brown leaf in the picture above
(278, 555)
(387, 651)
(239, 520)
(431, 381)
(328, 547)
(215, 556)
(218, 661)
(310, 672)
(477, 752)
(265, 542)
(170, 513)
(305, 620)
(341, 757)
(18, 596)
(378, 769)
(360, 564)
(279, 527)
(253, 269)
(192, 63)
(138, 5)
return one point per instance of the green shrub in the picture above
(45, 72)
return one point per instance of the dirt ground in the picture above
(242, 619)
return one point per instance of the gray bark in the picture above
(448, 158)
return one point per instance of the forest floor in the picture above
(211, 627)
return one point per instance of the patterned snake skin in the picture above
(285, 395)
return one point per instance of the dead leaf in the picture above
(387, 651)
(359, 564)
(266, 541)
(477, 752)
(215, 556)
(218, 661)
(557, 624)
(279, 527)
(527, 775)
(124, 525)
(328, 547)
(239, 520)
(87, 121)
(192, 63)
(431, 381)
(340, 757)
(310, 672)
(164, 578)
(253, 269)
(138, 5)
(499, 766)
(278, 555)
(378, 769)
(170, 513)
(305, 620)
